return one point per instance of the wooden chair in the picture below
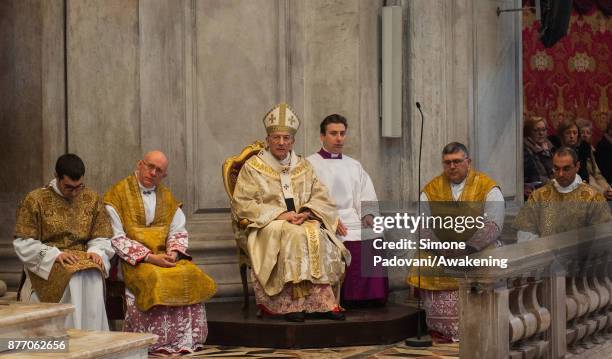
(231, 169)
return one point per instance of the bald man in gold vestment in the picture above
(165, 291)
(296, 258)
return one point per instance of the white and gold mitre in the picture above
(281, 118)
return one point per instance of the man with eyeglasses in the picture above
(297, 260)
(565, 203)
(460, 191)
(165, 291)
(62, 236)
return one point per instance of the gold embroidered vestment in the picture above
(184, 284)
(280, 252)
(66, 224)
(470, 203)
(549, 211)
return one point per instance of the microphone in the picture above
(420, 340)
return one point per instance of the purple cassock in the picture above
(350, 187)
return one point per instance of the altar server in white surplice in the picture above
(352, 190)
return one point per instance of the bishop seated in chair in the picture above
(297, 262)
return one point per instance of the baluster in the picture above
(517, 328)
(593, 304)
(608, 283)
(542, 315)
(576, 330)
(600, 315)
(528, 318)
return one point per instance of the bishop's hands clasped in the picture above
(294, 218)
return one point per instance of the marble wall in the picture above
(464, 68)
(194, 78)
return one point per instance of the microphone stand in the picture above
(421, 340)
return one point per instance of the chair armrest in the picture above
(244, 223)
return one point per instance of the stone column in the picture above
(31, 109)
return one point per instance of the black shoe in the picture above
(297, 317)
(334, 315)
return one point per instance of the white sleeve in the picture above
(495, 207)
(115, 221)
(368, 198)
(523, 236)
(37, 257)
(103, 248)
(178, 223)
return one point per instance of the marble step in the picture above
(8, 297)
(96, 344)
(18, 320)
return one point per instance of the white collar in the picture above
(460, 184)
(571, 187)
(285, 161)
(53, 185)
(333, 155)
(286, 165)
(143, 188)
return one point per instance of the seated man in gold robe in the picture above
(564, 204)
(296, 258)
(459, 191)
(165, 291)
(62, 236)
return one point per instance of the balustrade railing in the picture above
(554, 299)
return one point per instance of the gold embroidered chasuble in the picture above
(282, 252)
(549, 211)
(441, 202)
(184, 284)
(66, 224)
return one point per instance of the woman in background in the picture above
(537, 154)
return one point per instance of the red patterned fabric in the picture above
(129, 250)
(178, 242)
(321, 299)
(179, 329)
(573, 79)
(442, 312)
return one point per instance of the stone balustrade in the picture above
(554, 299)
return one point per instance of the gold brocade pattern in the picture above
(66, 224)
(262, 167)
(312, 232)
(266, 169)
(549, 211)
(52, 289)
(442, 203)
(282, 252)
(183, 284)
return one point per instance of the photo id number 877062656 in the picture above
(39, 345)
